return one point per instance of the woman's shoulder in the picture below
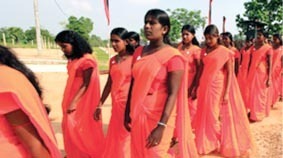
(172, 50)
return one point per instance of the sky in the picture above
(53, 14)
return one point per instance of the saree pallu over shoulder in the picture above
(84, 131)
(121, 78)
(150, 65)
(231, 133)
(257, 77)
(257, 61)
(118, 138)
(243, 74)
(30, 103)
(277, 70)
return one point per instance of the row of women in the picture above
(166, 102)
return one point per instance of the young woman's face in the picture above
(117, 43)
(226, 41)
(153, 30)
(260, 37)
(187, 37)
(67, 48)
(132, 42)
(211, 40)
(276, 41)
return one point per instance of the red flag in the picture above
(209, 13)
(106, 8)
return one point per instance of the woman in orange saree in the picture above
(277, 72)
(220, 123)
(156, 103)
(191, 50)
(228, 42)
(25, 130)
(259, 78)
(83, 136)
(118, 138)
(243, 70)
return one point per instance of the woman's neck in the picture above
(122, 53)
(187, 45)
(153, 47)
(276, 46)
(210, 49)
(156, 44)
(258, 45)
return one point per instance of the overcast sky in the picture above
(123, 13)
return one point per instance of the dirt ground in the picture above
(267, 134)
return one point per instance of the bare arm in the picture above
(194, 86)
(196, 80)
(127, 118)
(106, 90)
(27, 134)
(174, 82)
(86, 79)
(105, 93)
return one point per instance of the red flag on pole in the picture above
(106, 8)
(209, 13)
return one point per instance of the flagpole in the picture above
(106, 9)
(108, 45)
(209, 12)
(223, 24)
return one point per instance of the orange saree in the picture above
(26, 98)
(83, 136)
(147, 104)
(118, 138)
(220, 127)
(243, 74)
(276, 87)
(257, 77)
(191, 55)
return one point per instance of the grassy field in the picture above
(30, 54)
(102, 58)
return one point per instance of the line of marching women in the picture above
(153, 89)
(167, 102)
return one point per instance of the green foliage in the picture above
(267, 11)
(96, 41)
(101, 57)
(15, 34)
(30, 35)
(180, 17)
(143, 39)
(82, 26)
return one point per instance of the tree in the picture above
(180, 17)
(96, 41)
(82, 26)
(13, 33)
(143, 39)
(30, 34)
(266, 11)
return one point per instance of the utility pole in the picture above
(37, 26)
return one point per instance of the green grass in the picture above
(102, 58)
